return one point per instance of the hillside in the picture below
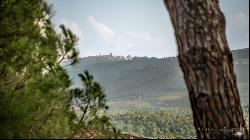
(241, 53)
(135, 86)
(126, 77)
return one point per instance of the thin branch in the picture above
(84, 112)
(61, 59)
(47, 118)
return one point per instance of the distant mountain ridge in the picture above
(125, 77)
(241, 53)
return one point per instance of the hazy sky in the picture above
(137, 27)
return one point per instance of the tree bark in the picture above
(206, 62)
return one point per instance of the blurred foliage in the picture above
(34, 95)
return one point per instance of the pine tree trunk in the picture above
(206, 62)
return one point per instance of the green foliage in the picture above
(91, 101)
(164, 123)
(34, 92)
(168, 124)
(65, 45)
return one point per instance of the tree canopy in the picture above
(34, 91)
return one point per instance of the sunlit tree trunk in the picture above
(206, 62)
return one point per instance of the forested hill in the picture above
(142, 77)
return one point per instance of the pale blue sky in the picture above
(137, 27)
